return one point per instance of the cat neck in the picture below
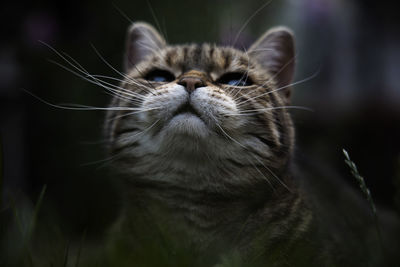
(207, 209)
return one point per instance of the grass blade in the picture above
(365, 190)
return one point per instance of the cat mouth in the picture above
(186, 121)
(186, 108)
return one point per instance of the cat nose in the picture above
(191, 83)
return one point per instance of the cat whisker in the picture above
(114, 157)
(120, 73)
(121, 81)
(132, 113)
(164, 33)
(106, 160)
(76, 106)
(122, 97)
(248, 21)
(121, 92)
(130, 96)
(225, 133)
(278, 89)
(278, 72)
(261, 110)
(165, 30)
(118, 91)
(108, 77)
(153, 50)
(145, 130)
(88, 77)
(79, 66)
(273, 174)
(85, 107)
(93, 77)
(246, 149)
(260, 50)
(257, 111)
(149, 38)
(122, 13)
(126, 77)
(149, 83)
(245, 74)
(266, 178)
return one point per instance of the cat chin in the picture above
(186, 124)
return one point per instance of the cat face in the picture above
(203, 106)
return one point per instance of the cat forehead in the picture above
(205, 57)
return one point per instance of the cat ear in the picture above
(142, 40)
(275, 52)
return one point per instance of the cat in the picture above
(203, 140)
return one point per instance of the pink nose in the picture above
(191, 83)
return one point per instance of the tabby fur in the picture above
(212, 162)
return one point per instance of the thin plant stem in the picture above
(365, 191)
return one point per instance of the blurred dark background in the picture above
(352, 48)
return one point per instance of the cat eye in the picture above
(235, 79)
(158, 75)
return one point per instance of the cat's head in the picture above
(203, 106)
